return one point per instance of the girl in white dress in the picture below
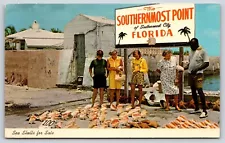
(168, 69)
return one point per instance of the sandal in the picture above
(139, 105)
(167, 109)
(177, 108)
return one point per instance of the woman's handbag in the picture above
(120, 77)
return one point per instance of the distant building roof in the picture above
(37, 37)
(36, 32)
(99, 19)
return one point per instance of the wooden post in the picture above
(126, 91)
(181, 79)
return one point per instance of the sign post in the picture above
(126, 91)
(181, 80)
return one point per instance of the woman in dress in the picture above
(167, 68)
(114, 66)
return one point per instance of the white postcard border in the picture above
(110, 133)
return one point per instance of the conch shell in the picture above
(59, 124)
(143, 125)
(75, 114)
(43, 116)
(128, 108)
(124, 120)
(32, 119)
(182, 105)
(170, 126)
(113, 107)
(144, 113)
(134, 124)
(153, 124)
(115, 123)
(119, 111)
(123, 114)
(92, 124)
(146, 121)
(136, 116)
(72, 125)
(191, 104)
(83, 116)
(131, 112)
(102, 118)
(87, 106)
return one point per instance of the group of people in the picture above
(109, 69)
(167, 67)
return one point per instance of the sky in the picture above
(58, 15)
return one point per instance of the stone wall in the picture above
(39, 68)
(16, 64)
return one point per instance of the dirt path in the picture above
(32, 97)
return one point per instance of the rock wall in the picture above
(16, 66)
(38, 68)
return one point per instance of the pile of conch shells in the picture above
(125, 117)
(181, 122)
(209, 105)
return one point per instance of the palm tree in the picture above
(186, 31)
(186, 53)
(55, 30)
(6, 32)
(10, 30)
(121, 35)
(23, 29)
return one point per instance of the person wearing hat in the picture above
(99, 77)
(114, 66)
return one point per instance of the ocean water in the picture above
(211, 83)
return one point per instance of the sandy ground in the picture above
(35, 97)
(70, 100)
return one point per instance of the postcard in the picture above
(112, 70)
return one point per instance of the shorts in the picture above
(137, 78)
(195, 80)
(99, 81)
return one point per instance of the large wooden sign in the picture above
(166, 24)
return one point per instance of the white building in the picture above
(83, 36)
(36, 38)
